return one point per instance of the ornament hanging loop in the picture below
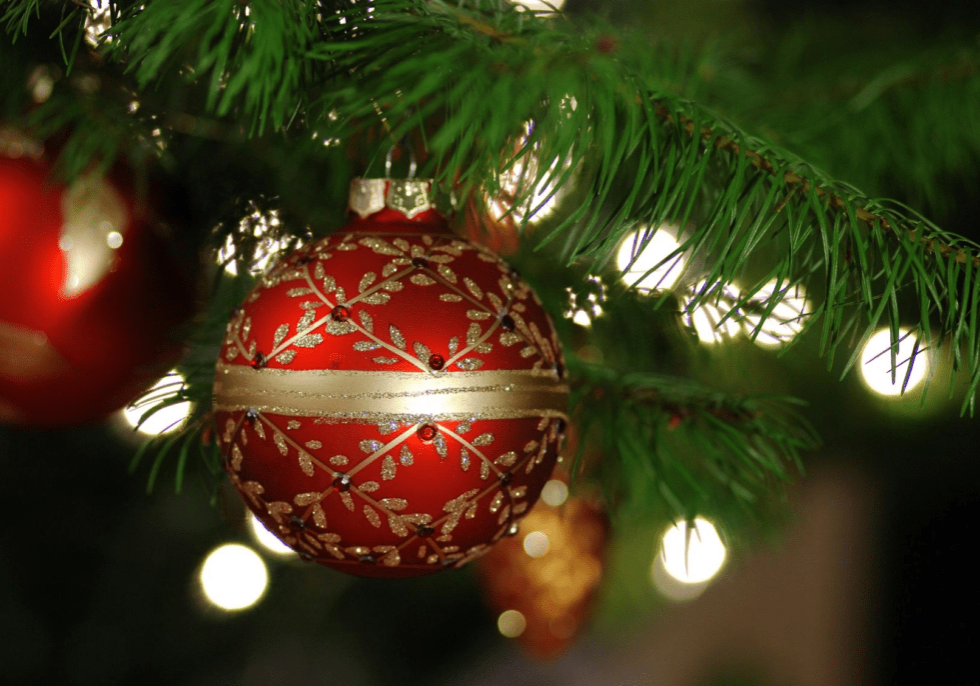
(412, 162)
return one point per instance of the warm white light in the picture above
(164, 420)
(706, 318)
(582, 318)
(695, 556)
(92, 210)
(266, 538)
(536, 543)
(876, 363)
(98, 21)
(511, 623)
(785, 321)
(660, 246)
(267, 248)
(114, 239)
(234, 577)
(554, 493)
(540, 5)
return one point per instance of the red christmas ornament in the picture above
(90, 298)
(549, 572)
(391, 398)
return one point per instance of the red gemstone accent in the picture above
(342, 483)
(506, 478)
(340, 313)
(423, 531)
(260, 361)
(427, 432)
(436, 361)
(420, 263)
(507, 323)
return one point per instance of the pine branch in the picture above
(713, 453)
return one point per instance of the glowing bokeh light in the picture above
(876, 363)
(266, 538)
(544, 6)
(164, 420)
(554, 493)
(785, 321)
(694, 557)
(267, 248)
(511, 623)
(660, 246)
(540, 204)
(98, 21)
(537, 544)
(706, 318)
(234, 577)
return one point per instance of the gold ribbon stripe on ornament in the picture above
(399, 396)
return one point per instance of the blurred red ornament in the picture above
(90, 299)
(391, 398)
(549, 572)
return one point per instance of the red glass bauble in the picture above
(373, 411)
(90, 294)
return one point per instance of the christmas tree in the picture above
(751, 228)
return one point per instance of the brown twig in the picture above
(796, 182)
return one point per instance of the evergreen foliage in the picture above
(285, 101)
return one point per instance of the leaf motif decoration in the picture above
(421, 351)
(396, 504)
(280, 335)
(447, 273)
(286, 356)
(366, 320)
(308, 317)
(310, 340)
(319, 516)
(384, 360)
(473, 288)
(478, 315)
(366, 281)
(307, 499)
(306, 464)
(450, 297)
(473, 334)
(453, 345)
(377, 298)
(388, 468)
(366, 346)
(483, 439)
(397, 525)
(405, 456)
(372, 516)
(507, 459)
(420, 279)
(509, 338)
(369, 446)
(335, 328)
(397, 338)
(470, 364)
